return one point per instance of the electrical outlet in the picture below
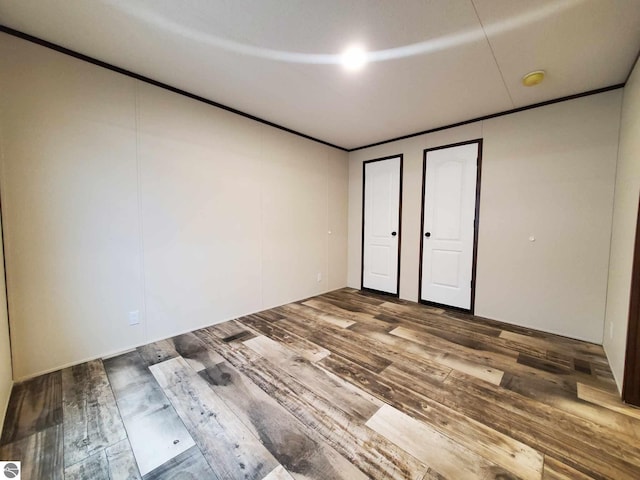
(134, 317)
(319, 278)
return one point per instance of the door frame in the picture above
(364, 182)
(476, 223)
(631, 379)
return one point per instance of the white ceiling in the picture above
(454, 59)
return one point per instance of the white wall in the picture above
(627, 189)
(120, 196)
(6, 375)
(547, 172)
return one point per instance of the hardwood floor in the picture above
(346, 385)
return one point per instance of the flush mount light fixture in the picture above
(533, 78)
(353, 58)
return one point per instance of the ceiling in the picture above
(438, 61)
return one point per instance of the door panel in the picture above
(445, 268)
(448, 233)
(381, 224)
(447, 181)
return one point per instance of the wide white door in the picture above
(381, 224)
(448, 229)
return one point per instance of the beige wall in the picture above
(6, 375)
(120, 196)
(627, 189)
(547, 172)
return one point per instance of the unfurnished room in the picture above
(317, 240)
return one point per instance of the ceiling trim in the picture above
(635, 62)
(128, 73)
(494, 115)
(114, 68)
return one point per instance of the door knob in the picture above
(393, 234)
(428, 234)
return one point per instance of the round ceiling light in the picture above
(533, 78)
(354, 58)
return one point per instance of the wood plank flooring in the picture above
(346, 385)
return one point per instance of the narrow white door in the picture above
(381, 224)
(449, 225)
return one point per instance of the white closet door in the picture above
(381, 227)
(448, 229)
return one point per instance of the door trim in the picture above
(631, 379)
(476, 223)
(364, 164)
